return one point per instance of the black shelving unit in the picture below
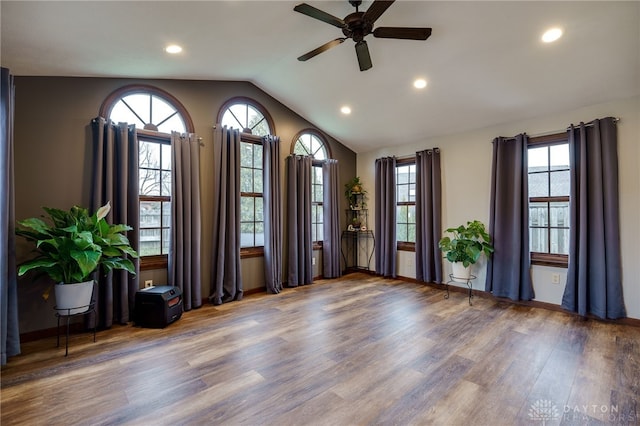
(358, 242)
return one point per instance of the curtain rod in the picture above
(553, 132)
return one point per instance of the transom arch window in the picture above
(247, 115)
(155, 114)
(311, 142)
(148, 107)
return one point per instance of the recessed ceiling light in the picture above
(173, 48)
(345, 110)
(420, 83)
(551, 35)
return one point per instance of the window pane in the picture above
(246, 179)
(259, 207)
(174, 124)
(150, 214)
(559, 214)
(149, 154)
(246, 154)
(120, 113)
(559, 156)
(539, 185)
(401, 214)
(257, 180)
(257, 156)
(166, 214)
(538, 159)
(402, 175)
(166, 184)
(538, 214)
(161, 110)
(411, 233)
(411, 214)
(166, 240)
(560, 183)
(538, 240)
(401, 232)
(559, 241)
(229, 120)
(259, 238)
(149, 181)
(403, 193)
(140, 103)
(300, 149)
(320, 232)
(412, 192)
(150, 242)
(166, 156)
(246, 234)
(247, 212)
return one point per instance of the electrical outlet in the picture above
(313, 260)
(555, 278)
(148, 283)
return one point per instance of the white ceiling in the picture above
(484, 62)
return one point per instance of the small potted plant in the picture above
(71, 248)
(355, 193)
(464, 247)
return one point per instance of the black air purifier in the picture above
(157, 307)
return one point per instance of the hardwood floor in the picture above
(359, 350)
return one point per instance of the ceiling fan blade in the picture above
(364, 59)
(321, 49)
(311, 11)
(402, 32)
(376, 9)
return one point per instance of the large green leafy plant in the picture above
(74, 244)
(466, 243)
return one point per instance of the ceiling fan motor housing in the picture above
(357, 28)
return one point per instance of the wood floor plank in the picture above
(358, 350)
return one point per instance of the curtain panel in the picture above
(226, 279)
(428, 216)
(300, 245)
(115, 179)
(594, 276)
(508, 269)
(385, 212)
(10, 336)
(184, 249)
(331, 228)
(272, 198)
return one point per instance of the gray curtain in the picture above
(428, 216)
(385, 211)
(508, 269)
(8, 280)
(115, 179)
(226, 280)
(331, 223)
(272, 198)
(299, 220)
(594, 277)
(184, 249)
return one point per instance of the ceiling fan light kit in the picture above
(357, 26)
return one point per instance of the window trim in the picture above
(538, 258)
(253, 251)
(405, 245)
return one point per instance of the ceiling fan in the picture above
(357, 26)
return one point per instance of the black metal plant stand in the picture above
(66, 313)
(458, 279)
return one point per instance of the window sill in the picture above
(553, 260)
(404, 246)
(154, 262)
(249, 252)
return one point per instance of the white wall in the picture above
(466, 176)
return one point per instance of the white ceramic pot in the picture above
(73, 299)
(460, 274)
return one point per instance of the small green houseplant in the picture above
(466, 244)
(74, 244)
(353, 189)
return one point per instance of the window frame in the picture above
(404, 245)
(539, 258)
(252, 251)
(254, 104)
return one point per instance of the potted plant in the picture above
(355, 193)
(464, 247)
(71, 248)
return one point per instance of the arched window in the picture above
(155, 114)
(250, 117)
(247, 115)
(311, 142)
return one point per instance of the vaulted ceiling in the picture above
(484, 62)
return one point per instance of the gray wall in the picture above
(53, 160)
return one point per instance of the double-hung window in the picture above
(406, 204)
(549, 186)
